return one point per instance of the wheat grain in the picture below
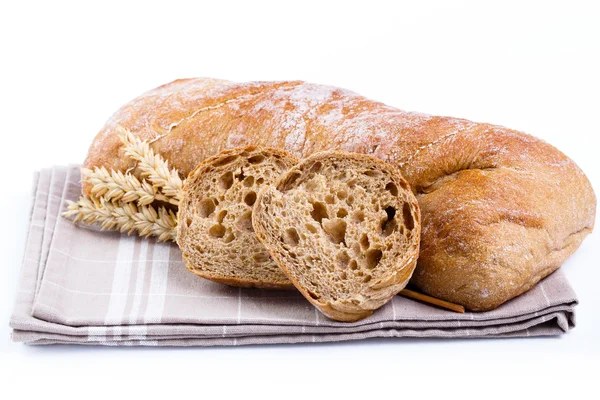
(152, 166)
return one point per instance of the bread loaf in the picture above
(214, 222)
(345, 229)
(500, 209)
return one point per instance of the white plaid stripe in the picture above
(158, 283)
(121, 276)
(139, 283)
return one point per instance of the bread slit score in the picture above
(501, 209)
(344, 228)
(214, 222)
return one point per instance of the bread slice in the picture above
(345, 229)
(215, 230)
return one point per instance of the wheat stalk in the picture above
(124, 202)
(126, 217)
(152, 166)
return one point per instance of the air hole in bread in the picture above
(250, 198)
(404, 185)
(311, 228)
(341, 275)
(257, 159)
(342, 212)
(240, 177)
(290, 237)
(224, 161)
(329, 199)
(311, 185)
(408, 218)
(313, 295)
(249, 181)
(389, 224)
(217, 231)
(291, 179)
(392, 188)
(335, 230)
(367, 278)
(373, 257)
(188, 222)
(261, 258)
(352, 265)
(342, 259)
(281, 165)
(245, 222)
(358, 216)
(319, 211)
(206, 207)
(316, 167)
(226, 180)
(350, 200)
(260, 181)
(342, 194)
(372, 173)
(364, 241)
(229, 237)
(221, 216)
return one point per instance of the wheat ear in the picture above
(115, 185)
(152, 166)
(126, 217)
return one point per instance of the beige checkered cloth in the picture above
(83, 286)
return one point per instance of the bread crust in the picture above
(501, 209)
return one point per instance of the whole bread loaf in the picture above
(344, 227)
(500, 209)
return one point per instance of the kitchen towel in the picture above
(83, 286)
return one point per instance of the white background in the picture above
(66, 67)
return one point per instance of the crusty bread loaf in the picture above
(214, 222)
(500, 209)
(345, 229)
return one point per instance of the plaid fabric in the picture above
(83, 286)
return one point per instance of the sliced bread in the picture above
(345, 229)
(215, 230)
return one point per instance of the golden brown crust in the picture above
(501, 209)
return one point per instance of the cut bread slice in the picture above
(345, 229)
(214, 223)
